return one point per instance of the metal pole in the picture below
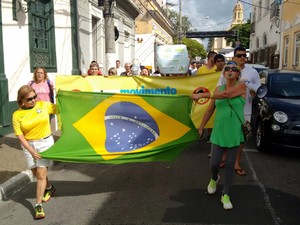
(109, 33)
(180, 24)
(280, 42)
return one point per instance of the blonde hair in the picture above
(23, 92)
(35, 73)
(113, 70)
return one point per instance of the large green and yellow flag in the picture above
(147, 85)
(122, 128)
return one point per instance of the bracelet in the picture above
(211, 95)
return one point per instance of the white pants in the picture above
(40, 146)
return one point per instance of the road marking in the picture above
(250, 150)
(276, 219)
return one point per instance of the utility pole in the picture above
(109, 33)
(180, 24)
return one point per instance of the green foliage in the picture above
(194, 47)
(173, 16)
(243, 32)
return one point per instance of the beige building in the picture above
(238, 17)
(153, 28)
(290, 38)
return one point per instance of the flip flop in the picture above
(240, 172)
(222, 164)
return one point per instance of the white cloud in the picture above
(210, 15)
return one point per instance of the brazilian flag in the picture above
(121, 128)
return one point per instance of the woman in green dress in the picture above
(227, 134)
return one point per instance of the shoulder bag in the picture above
(246, 126)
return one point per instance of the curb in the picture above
(15, 184)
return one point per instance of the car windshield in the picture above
(285, 85)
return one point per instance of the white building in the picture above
(63, 36)
(265, 33)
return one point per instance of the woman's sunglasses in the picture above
(233, 69)
(30, 99)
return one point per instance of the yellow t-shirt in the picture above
(204, 70)
(34, 123)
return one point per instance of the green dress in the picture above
(227, 131)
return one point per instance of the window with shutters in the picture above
(297, 50)
(42, 35)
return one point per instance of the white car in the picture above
(258, 67)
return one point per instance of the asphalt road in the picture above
(159, 193)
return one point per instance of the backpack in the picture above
(50, 88)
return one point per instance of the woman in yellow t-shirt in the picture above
(32, 127)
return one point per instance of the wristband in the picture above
(211, 95)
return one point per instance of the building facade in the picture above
(290, 36)
(63, 36)
(265, 33)
(153, 28)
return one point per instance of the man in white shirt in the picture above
(119, 68)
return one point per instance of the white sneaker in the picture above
(212, 186)
(226, 202)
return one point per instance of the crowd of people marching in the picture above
(234, 91)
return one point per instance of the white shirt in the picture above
(120, 70)
(251, 78)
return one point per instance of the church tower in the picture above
(238, 14)
(219, 44)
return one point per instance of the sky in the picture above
(210, 15)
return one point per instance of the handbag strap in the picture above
(234, 111)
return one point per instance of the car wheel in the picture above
(259, 138)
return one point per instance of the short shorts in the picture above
(40, 146)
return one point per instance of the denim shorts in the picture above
(40, 146)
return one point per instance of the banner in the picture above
(122, 128)
(147, 85)
(173, 59)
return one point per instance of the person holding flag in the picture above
(229, 105)
(31, 125)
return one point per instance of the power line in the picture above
(247, 3)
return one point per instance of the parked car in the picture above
(276, 116)
(258, 67)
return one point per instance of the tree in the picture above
(243, 34)
(173, 16)
(194, 47)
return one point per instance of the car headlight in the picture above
(275, 127)
(280, 117)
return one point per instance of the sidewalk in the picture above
(14, 174)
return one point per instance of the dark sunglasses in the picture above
(30, 99)
(233, 69)
(241, 55)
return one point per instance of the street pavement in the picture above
(158, 193)
(14, 174)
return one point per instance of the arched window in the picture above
(257, 43)
(265, 42)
